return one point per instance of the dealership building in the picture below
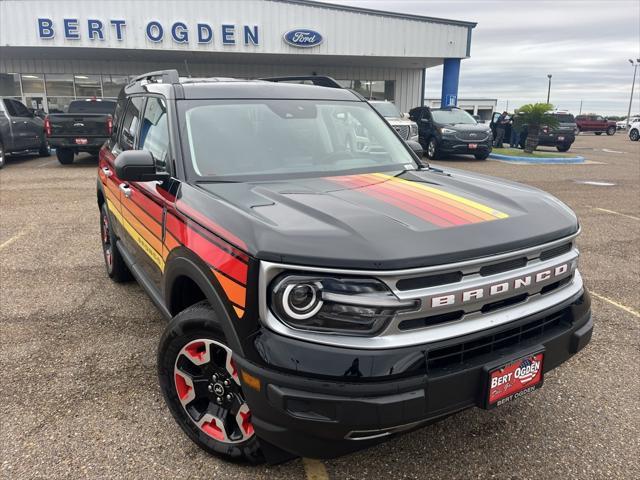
(52, 51)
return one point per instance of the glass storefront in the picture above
(372, 89)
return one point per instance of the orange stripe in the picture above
(239, 312)
(440, 203)
(433, 194)
(142, 231)
(170, 243)
(234, 292)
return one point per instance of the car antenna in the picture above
(186, 66)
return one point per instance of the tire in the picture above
(563, 148)
(481, 156)
(45, 149)
(3, 155)
(598, 133)
(192, 347)
(634, 135)
(432, 149)
(611, 131)
(116, 267)
(65, 156)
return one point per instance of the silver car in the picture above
(407, 129)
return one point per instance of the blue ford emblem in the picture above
(302, 37)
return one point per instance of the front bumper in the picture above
(322, 416)
(455, 146)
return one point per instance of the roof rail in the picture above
(318, 80)
(167, 76)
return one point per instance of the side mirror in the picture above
(415, 147)
(137, 166)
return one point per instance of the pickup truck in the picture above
(84, 128)
(20, 131)
(596, 124)
(321, 297)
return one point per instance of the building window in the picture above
(87, 86)
(372, 89)
(10, 85)
(32, 83)
(60, 84)
(112, 84)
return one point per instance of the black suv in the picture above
(324, 288)
(451, 131)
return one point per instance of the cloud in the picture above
(584, 44)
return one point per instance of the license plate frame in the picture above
(81, 141)
(473, 146)
(514, 384)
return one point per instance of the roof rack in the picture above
(318, 80)
(167, 76)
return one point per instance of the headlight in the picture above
(413, 129)
(447, 131)
(354, 306)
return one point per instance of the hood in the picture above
(386, 220)
(399, 121)
(465, 127)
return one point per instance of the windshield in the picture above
(231, 138)
(452, 117)
(386, 109)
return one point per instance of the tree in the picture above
(536, 116)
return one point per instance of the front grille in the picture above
(428, 281)
(456, 355)
(556, 251)
(471, 136)
(403, 131)
(496, 268)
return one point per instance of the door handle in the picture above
(124, 188)
(107, 172)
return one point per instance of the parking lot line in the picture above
(315, 469)
(616, 213)
(8, 242)
(616, 304)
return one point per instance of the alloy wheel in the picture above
(208, 388)
(431, 149)
(107, 248)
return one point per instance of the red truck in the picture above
(595, 123)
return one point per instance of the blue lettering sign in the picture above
(154, 31)
(71, 28)
(45, 28)
(304, 38)
(94, 28)
(228, 34)
(180, 33)
(118, 25)
(251, 36)
(205, 33)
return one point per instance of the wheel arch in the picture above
(184, 271)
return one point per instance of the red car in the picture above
(595, 123)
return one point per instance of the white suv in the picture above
(407, 129)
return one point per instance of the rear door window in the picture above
(131, 123)
(20, 109)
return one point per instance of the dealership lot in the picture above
(81, 399)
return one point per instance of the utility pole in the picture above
(633, 84)
(580, 113)
(549, 88)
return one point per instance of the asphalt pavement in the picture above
(80, 397)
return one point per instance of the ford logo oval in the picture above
(302, 37)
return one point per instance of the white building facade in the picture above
(52, 51)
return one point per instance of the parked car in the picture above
(451, 130)
(634, 131)
(322, 299)
(622, 124)
(595, 123)
(406, 128)
(20, 131)
(84, 128)
(562, 136)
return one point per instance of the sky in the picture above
(584, 44)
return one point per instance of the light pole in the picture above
(633, 84)
(549, 89)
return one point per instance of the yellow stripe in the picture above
(465, 201)
(148, 249)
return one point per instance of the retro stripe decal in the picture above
(434, 205)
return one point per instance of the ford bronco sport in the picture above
(323, 297)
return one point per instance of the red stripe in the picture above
(150, 207)
(385, 195)
(210, 224)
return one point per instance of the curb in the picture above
(553, 160)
